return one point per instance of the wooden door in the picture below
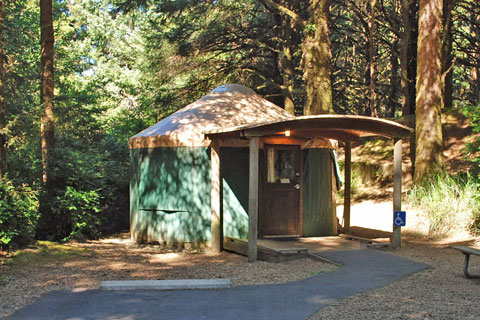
(280, 196)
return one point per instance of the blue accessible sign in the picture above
(399, 218)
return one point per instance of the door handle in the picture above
(297, 186)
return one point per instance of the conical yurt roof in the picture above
(229, 105)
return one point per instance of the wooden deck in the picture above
(284, 249)
(265, 252)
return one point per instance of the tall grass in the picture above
(449, 204)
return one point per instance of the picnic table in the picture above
(467, 251)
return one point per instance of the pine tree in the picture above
(47, 122)
(3, 150)
(429, 142)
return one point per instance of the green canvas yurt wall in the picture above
(234, 172)
(170, 193)
(319, 207)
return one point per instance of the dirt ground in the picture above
(440, 292)
(79, 266)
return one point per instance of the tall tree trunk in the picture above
(372, 101)
(394, 80)
(447, 59)
(316, 61)
(287, 65)
(408, 55)
(47, 125)
(408, 64)
(3, 148)
(429, 141)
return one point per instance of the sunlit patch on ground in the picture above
(165, 257)
(116, 241)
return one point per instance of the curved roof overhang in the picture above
(338, 127)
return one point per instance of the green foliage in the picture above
(450, 204)
(90, 181)
(22, 47)
(18, 215)
(83, 208)
(96, 111)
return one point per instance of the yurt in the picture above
(170, 187)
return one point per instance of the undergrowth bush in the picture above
(89, 193)
(71, 210)
(18, 215)
(69, 214)
(82, 208)
(450, 204)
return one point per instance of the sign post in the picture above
(396, 241)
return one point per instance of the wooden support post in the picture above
(348, 187)
(397, 191)
(253, 200)
(216, 197)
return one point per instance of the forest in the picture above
(78, 78)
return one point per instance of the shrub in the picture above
(83, 208)
(71, 208)
(450, 204)
(71, 215)
(89, 190)
(18, 215)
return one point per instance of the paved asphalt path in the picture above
(362, 270)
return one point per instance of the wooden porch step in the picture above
(240, 246)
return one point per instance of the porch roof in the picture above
(339, 127)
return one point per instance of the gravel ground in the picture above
(440, 292)
(120, 259)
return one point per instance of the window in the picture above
(281, 165)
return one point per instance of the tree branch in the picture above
(293, 15)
